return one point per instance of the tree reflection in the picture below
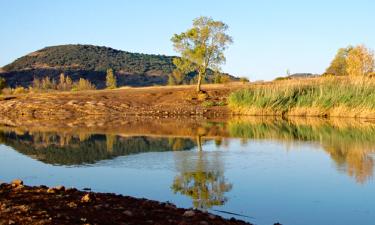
(350, 143)
(201, 177)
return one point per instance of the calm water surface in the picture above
(264, 170)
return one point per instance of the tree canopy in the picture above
(352, 61)
(201, 47)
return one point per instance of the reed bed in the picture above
(324, 97)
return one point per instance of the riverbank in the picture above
(352, 97)
(21, 204)
(166, 101)
(316, 97)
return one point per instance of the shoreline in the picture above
(157, 102)
(21, 204)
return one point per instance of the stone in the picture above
(128, 213)
(59, 188)
(17, 182)
(189, 213)
(72, 205)
(86, 198)
(212, 217)
(51, 190)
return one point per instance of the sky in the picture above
(270, 37)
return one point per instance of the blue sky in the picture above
(269, 36)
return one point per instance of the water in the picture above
(265, 170)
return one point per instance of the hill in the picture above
(91, 62)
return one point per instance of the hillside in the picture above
(91, 62)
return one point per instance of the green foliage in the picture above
(93, 58)
(171, 80)
(338, 64)
(111, 81)
(213, 103)
(201, 47)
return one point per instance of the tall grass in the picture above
(326, 96)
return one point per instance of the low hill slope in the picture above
(91, 62)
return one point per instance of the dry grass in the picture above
(323, 97)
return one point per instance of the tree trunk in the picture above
(199, 143)
(199, 82)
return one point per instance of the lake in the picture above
(262, 170)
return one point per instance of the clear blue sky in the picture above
(269, 36)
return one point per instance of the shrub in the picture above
(244, 80)
(83, 85)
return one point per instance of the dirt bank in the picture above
(157, 101)
(21, 204)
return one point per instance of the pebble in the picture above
(86, 198)
(128, 213)
(189, 213)
(51, 190)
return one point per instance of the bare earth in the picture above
(123, 102)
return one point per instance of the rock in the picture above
(72, 205)
(212, 217)
(17, 182)
(87, 198)
(128, 213)
(59, 188)
(203, 223)
(51, 190)
(189, 213)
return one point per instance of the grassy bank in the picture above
(327, 96)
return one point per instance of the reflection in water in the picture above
(83, 148)
(201, 178)
(349, 143)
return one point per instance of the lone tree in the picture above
(201, 47)
(111, 81)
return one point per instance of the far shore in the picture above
(312, 97)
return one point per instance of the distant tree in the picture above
(65, 83)
(339, 63)
(244, 80)
(360, 61)
(201, 47)
(171, 80)
(288, 72)
(83, 85)
(217, 78)
(111, 81)
(2, 83)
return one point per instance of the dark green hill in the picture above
(91, 62)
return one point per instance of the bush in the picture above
(83, 85)
(244, 80)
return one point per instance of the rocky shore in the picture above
(21, 204)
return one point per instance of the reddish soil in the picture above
(20, 204)
(164, 101)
